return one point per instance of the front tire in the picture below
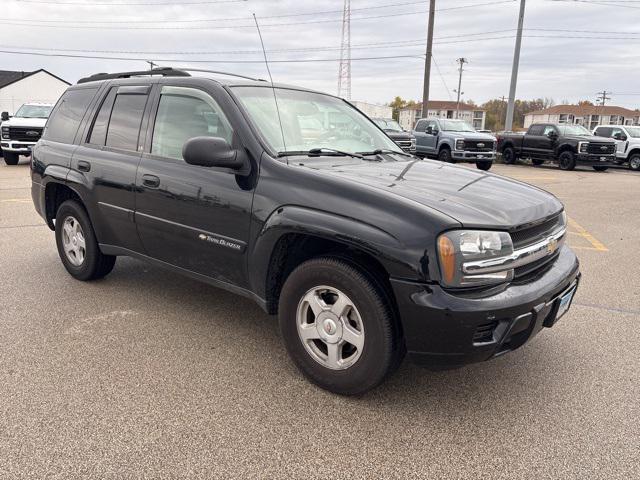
(509, 155)
(445, 156)
(567, 160)
(634, 162)
(11, 158)
(338, 326)
(600, 168)
(77, 244)
(483, 165)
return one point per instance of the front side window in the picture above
(548, 129)
(342, 126)
(63, 123)
(185, 113)
(603, 132)
(536, 130)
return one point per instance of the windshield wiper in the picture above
(316, 152)
(380, 151)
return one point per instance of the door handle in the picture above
(84, 166)
(150, 181)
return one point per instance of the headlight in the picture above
(5, 132)
(460, 144)
(457, 247)
(583, 146)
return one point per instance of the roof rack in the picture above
(217, 72)
(165, 72)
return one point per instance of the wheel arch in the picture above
(55, 193)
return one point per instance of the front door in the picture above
(193, 217)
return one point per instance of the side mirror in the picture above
(429, 130)
(552, 134)
(620, 136)
(5, 116)
(211, 152)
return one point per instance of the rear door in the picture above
(193, 217)
(108, 159)
(536, 143)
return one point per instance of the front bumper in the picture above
(590, 159)
(23, 148)
(465, 156)
(443, 330)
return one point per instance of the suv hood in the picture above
(396, 135)
(475, 199)
(25, 122)
(589, 138)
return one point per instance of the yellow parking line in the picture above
(597, 244)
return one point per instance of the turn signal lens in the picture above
(447, 254)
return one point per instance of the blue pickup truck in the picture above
(454, 141)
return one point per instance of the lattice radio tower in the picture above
(344, 70)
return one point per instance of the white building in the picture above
(372, 110)
(471, 114)
(17, 88)
(590, 116)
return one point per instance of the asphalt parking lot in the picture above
(147, 374)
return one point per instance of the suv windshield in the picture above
(310, 121)
(385, 124)
(573, 130)
(633, 131)
(456, 126)
(34, 111)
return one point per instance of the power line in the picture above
(128, 3)
(441, 77)
(619, 3)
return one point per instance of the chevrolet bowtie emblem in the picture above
(552, 246)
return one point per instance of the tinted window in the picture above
(126, 117)
(99, 130)
(603, 132)
(548, 129)
(536, 130)
(184, 113)
(67, 115)
(421, 126)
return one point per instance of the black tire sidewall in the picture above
(599, 168)
(445, 156)
(11, 158)
(376, 358)
(484, 166)
(89, 267)
(570, 162)
(509, 159)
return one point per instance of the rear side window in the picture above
(65, 119)
(99, 131)
(536, 130)
(124, 125)
(603, 132)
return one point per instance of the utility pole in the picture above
(344, 69)
(151, 64)
(602, 97)
(427, 60)
(461, 61)
(508, 124)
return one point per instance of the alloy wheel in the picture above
(73, 241)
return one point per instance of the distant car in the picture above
(568, 145)
(454, 141)
(21, 132)
(628, 142)
(395, 132)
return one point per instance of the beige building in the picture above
(17, 88)
(471, 114)
(373, 110)
(590, 116)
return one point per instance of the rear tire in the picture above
(634, 162)
(11, 158)
(567, 160)
(363, 315)
(445, 156)
(509, 155)
(483, 165)
(77, 244)
(599, 168)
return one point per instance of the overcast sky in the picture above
(571, 49)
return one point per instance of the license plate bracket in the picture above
(562, 305)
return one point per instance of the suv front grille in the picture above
(530, 235)
(25, 134)
(601, 148)
(478, 145)
(404, 144)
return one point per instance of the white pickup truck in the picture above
(627, 138)
(21, 132)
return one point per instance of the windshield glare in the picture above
(34, 111)
(456, 126)
(634, 131)
(310, 120)
(573, 130)
(385, 124)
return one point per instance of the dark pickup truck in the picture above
(364, 252)
(568, 145)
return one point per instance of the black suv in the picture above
(364, 251)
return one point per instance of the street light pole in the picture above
(508, 124)
(427, 60)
